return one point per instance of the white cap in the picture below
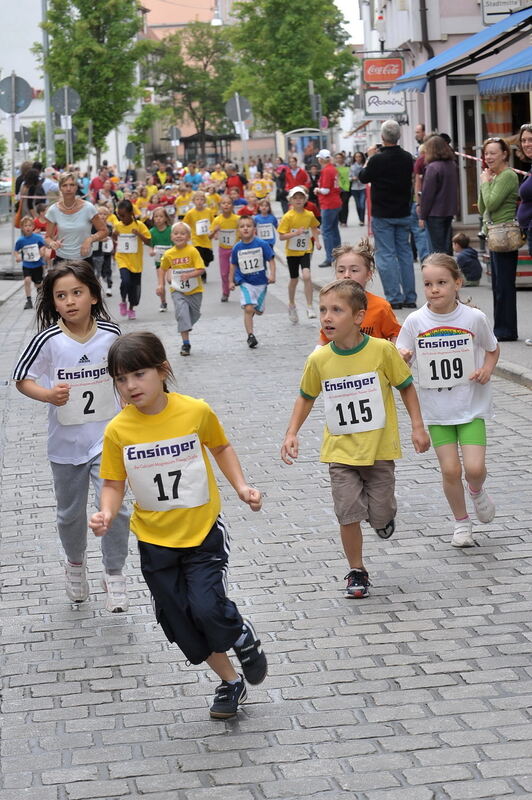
(297, 190)
(324, 154)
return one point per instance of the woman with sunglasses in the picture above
(497, 203)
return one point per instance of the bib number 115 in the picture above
(351, 418)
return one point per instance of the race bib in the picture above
(107, 245)
(250, 261)
(301, 242)
(127, 243)
(159, 250)
(170, 210)
(202, 227)
(444, 361)
(168, 474)
(265, 230)
(182, 282)
(353, 404)
(227, 237)
(92, 397)
(31, 253)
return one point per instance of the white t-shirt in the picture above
(443, 342)
(55, 356)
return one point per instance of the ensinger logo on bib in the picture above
(69, 375)
(134, 453)
(348, 383)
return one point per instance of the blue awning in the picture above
(485, 43)
(512, 75)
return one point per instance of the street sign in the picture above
(15, 94)
(174, 132)
(238, 108)
(66, 100)
(131, 150)
(382, 103)
(494, 10)
(22, 135)
(382, 70)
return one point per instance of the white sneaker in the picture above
(463, 536)
(108, 293)
(76, 584)
(484, 505)
(311, 314)
(292, 314)
(115, 586)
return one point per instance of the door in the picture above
(467, 124)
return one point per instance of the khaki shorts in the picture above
(364, 493)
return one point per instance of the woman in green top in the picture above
(160, 242)
(497, 203)
(344, 181)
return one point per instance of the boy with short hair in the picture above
(361, 438)
(252, 269)
(467, 260)
(31, 250)
(299, 228)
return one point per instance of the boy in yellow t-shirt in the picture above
(299, 228)
(183, 200)
(225, 228)
(182, 267)
(360, 442)
(129, 236)
(199, 219)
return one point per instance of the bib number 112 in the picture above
(364, 411)
(158, 480)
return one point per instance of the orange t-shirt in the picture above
(379, 320)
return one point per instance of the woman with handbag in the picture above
(497, 203)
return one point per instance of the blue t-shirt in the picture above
(267, 219)
(193, 180)
(239, 201)
(31, 257)
(250, 267)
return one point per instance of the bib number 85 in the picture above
(364, 412)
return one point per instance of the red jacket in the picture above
(329, 180)
(301, 178)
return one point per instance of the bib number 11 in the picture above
(158, 481)
(364, 411)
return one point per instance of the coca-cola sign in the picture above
(382, 70)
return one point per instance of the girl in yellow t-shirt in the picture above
(129, 235)
(199, 219)
(225, 229)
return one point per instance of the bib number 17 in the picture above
(159, 482)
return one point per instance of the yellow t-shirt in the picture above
(197, 219)
(218, 175)
(132, 247)
(183, 203)
(358, 399)
(151, 188)
(182, 260)
(212, 201)
(164, 458)
(113, 220)
(292, 220)
(260, 187)
(228, 233)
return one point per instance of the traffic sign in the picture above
(131, 150)
(15, 94)
(174, 132)
(66, 100)
(238, 108)
(22, 135)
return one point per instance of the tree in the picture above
(94, 49)
(192, 69)
(281, 46)
(3, 153)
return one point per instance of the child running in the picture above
(129, 236)
(456, 353)
(199, 219)
(360, 442)
(358, 263)
(225, 227)
(299, 228)
(69, 358)
(30, 248)
(102, 253)
(159, 443)
(252, 269)
(161, 241)
(186, 288)
(266, 223)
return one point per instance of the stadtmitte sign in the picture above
(382, 70)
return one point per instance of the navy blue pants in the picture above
(188, 586)
(503, 269)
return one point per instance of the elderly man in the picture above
(330, 200)
(389, 171)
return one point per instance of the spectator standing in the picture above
(345, 186)
(439, 197)
(328, 192)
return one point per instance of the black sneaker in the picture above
(28, 303)
(251, 656)
(357, 584)
(387, 531)
(185, 349)
(227, 699)
(325, 264)
(252, 340)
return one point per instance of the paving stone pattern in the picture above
(422, 691)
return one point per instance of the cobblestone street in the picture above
(422, 691)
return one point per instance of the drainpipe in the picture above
(430, 52)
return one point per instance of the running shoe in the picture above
(251, 655)
(292, 314)
(387, 531)
(357, 584)
(28, 303)
(108, 292)
(163, 307)
(122, 307)
(227, 698)
(252, 340)
(115, 586)
(131, 314)
(76, 584)
(463, 535)
(484, 505)
(185, 349)
(224, 298)
(311, 314)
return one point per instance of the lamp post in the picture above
(49, 127)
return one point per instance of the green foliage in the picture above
(191, 70)
(3, 153)
(93, 48)
(279, 47)
(142, 124)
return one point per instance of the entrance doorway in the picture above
(467, 138)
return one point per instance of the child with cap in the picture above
(299, 228)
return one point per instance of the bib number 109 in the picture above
(445, 369)
(159, 481)
(347, 414)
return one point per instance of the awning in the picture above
(359, 127)
(486, 42)
(512, 75)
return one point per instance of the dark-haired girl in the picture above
(159, 443)
(65, 365)
(130, 235)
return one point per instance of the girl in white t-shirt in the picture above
(69, 359)
(456, 353)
